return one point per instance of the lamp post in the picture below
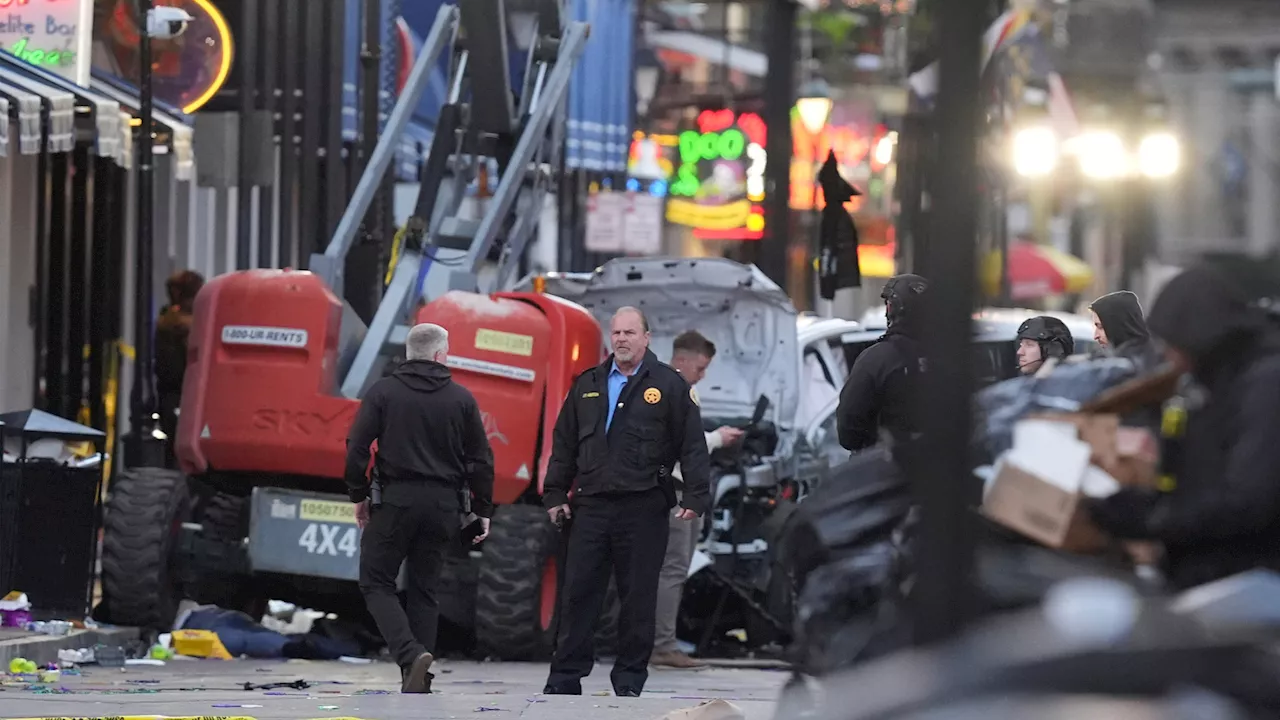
(143, 448)
(814, 108)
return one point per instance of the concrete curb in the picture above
(43, 649)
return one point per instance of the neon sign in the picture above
(187, 71)
(718, 186)
(54, 34)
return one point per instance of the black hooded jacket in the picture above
(879, 392)
(428, 429)
(1121, 316)
(1224, 515)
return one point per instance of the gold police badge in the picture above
(652, 395)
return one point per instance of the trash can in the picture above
(50, 512)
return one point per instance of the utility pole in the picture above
(363, 262)
(142, 448)
(779, 97)
(940, 470)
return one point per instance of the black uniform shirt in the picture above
(656, 424)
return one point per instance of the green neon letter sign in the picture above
(731, 145)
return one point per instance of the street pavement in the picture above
(205, 688)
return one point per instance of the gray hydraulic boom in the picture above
(483, 123)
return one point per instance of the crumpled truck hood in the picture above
(749, 318)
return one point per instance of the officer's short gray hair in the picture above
(424, 341)
(644, 320)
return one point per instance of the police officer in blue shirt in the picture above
(624, 425)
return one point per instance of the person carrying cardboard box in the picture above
(1223, 516)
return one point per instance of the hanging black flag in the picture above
(837, 235)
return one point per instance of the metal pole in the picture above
(941, 470)
(143, 393)
(780, 96)
(370, 61)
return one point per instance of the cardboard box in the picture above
(1041, 510)
(1130, 455)
(1056, 462)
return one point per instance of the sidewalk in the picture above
(43, 649)
(302, 690)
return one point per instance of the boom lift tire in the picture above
(516, 567)
(142, 522)
(225, 518)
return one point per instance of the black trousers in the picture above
(627, 535)
(417, 522)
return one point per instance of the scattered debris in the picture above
(15, 609)
(712, 710)
(295, 685)
(22, 666)
(109, 656)
(54, 628)
(235, 705)
(83, 656)
(327, 707)
(484, 708)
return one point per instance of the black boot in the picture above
(416, 678)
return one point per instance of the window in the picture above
(994, 361)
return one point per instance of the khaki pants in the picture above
(682, 539)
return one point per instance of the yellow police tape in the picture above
(165, 718)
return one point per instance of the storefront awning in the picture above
(1035, 271)
(107, 128)
(169, 118)
(23, 108)
(712, 50)
(57, 105)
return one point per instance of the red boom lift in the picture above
(277, 364)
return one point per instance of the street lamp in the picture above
(1102, 155)
(814, 106)
(648, 75)
(145, 446)
(1035, 151)
(1159, 155)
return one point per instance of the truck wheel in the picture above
(517, 584)
(142, 522)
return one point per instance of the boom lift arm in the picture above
(478, 126)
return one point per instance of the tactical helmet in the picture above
(900, 295)
(1053, 336)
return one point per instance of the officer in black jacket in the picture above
(623, 427)
(879, 393)
(432, 448)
